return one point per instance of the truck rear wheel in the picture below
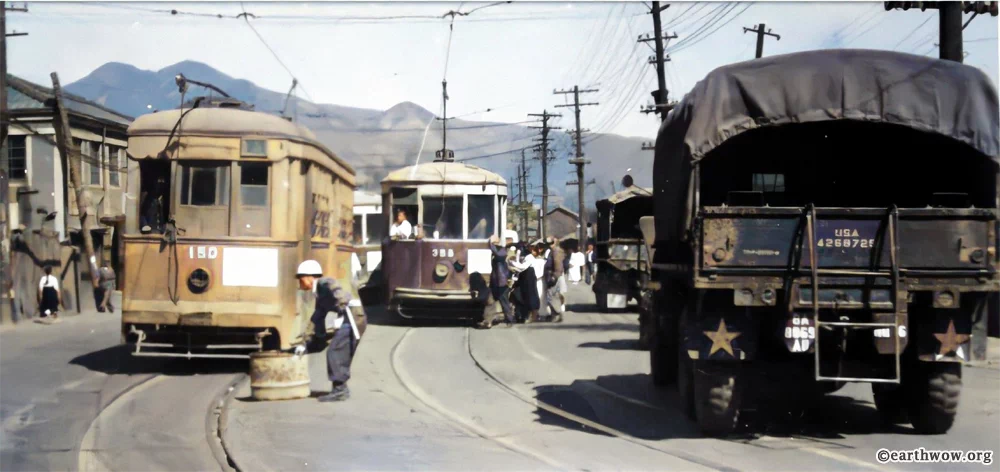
(716, 397)
(890, 401)
(933, 391)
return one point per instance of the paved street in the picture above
(574, 395)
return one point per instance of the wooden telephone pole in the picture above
(761, 32)
(544, 158)
(949, 22)
(661, 104)
(579, 161)
(6, 279)
(64, 140)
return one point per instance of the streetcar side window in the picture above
(377, 229)
(358, 231)
(482, 217)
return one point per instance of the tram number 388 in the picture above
(203, 252)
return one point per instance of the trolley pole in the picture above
(579, 161)
(444, 154)
(63, 138)
(545, 115)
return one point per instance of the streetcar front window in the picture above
(442, 217)
(482, 217)
(205, 184)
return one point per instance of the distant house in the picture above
(41, 197)
(562, 223)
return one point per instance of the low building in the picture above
(562, 223)
(41, 199)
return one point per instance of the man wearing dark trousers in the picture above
(331, 299)
(499, 276)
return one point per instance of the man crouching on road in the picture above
(330, 297)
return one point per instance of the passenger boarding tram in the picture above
(442, 269)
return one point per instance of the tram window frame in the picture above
(375, 221)
(222, 182)
(472, 221)
(450, 206)
(265, 187)
(358, 236)
(248, 148)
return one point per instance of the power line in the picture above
(678, 49)
(246, 18)
(912, 32)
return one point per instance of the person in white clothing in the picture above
(534, 261)
(402, 228)
(576, 263)
(49, 297)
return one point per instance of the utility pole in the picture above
(579, 161)
(661, 105)
(444, 154)
(523, 205)
(760, 37)
(64, 140)
(545, 115)
(949, 22)
(6, 280)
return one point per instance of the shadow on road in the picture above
(119, 360)
(569, 325)
(592, 309)
(654, 413)
(615, 345)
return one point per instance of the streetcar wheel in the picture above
(934, 390)
(717, 404)
(890, 402)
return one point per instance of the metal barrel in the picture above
(276, 375)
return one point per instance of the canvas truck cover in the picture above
(931, 95)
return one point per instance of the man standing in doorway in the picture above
(331, 299)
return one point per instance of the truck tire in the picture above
(933, 396)
(602, 301)
(890, 401)
(658, 359)
(716, 397)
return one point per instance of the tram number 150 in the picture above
(203, 252)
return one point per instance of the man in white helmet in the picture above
(330, 297)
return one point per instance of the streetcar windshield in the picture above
(442, 217)
(482, 217)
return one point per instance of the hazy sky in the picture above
(508, 57)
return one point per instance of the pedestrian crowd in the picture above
(530, 281)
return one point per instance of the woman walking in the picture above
(49, 297)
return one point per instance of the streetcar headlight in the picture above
(198, 281)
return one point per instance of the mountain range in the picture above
(376, 142)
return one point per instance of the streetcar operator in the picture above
(331, 299)
(401, 228)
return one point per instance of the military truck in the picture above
(832, 216)
(620, 254)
